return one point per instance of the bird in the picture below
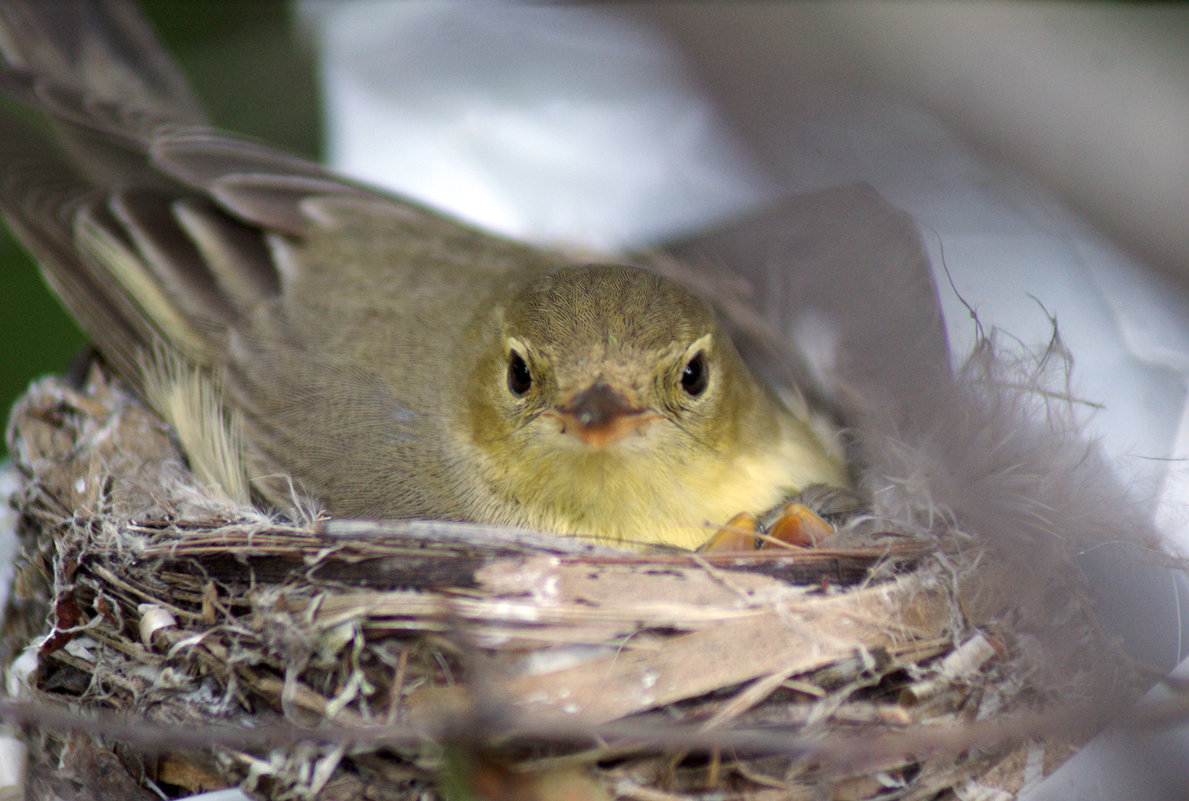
(311, 337)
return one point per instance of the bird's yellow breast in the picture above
(641, 497)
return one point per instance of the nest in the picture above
(168, 639)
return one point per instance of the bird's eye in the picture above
(519, 378)
(695, 376)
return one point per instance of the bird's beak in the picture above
(600, 415)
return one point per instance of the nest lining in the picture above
(355, 659)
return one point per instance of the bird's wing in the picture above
(172, 242)
(842, 273)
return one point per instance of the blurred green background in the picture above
(254, 75)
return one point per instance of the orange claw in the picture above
(738, 534)
(798, 525)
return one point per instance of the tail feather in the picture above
(139, 257)
(254, 181)
(165, 247)
(236, 254)
(103, 48)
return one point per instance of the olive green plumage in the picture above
(373, 355)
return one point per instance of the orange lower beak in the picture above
(601, 415)
(599, 436)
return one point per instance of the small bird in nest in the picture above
(303, 332)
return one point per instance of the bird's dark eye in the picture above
(695, 376)
(519, 378)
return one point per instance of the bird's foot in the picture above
(800, 522)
